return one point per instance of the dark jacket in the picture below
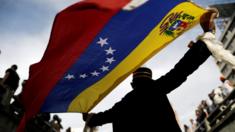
(12, 80)
(147, 108)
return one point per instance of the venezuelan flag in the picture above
(96, 44)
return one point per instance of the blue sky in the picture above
(25, 27)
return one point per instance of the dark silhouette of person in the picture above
(9, 83)
(146, 108)
(39, 123)
(56, 123)
(147, 105)
(11, 78)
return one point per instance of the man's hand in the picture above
(84, 116)
(190, 44)
(207, 20)
(87, 118)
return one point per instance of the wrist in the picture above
(211, 31)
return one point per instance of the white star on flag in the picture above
(95, 73)
(104, 68)
(110, 60)
(69, 77)
(83, 76)
(102, 41)
(110, 51)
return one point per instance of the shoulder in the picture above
(129, 95)
(9, 70)
(127, 99)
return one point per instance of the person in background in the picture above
(218, 96)
(10, 83)
(226, 86)
(186, 128)
(56, 123)
(193, 125)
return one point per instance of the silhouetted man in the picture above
(146, 108)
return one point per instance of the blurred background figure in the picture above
(193, 125)
(56, 123)
(9, 84)
(226, 86)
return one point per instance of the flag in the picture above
(96, 44)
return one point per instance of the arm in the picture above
(193, 58)
(110, 115)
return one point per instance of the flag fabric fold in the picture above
(94, 45)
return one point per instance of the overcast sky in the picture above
(25, 27)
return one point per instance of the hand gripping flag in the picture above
(95, 44)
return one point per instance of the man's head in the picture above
(142, 72)
(141, 77)
(14, 67)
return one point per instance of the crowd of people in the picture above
(218, 100)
